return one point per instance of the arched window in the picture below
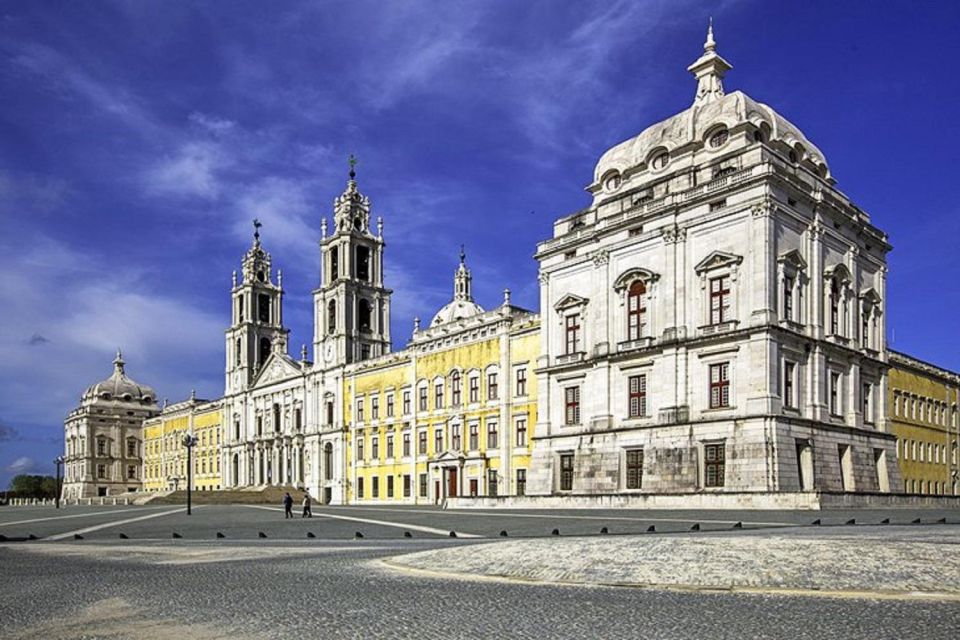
(334, 263)
(363, 315)
(238, 351)
(328, 461)
(636, 310)
(264, 350)
(332, 316)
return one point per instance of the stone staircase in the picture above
(248, 495)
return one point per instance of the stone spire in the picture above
(351, 209)
(462, 280)
(709, 70)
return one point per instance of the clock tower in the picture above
(351, 306)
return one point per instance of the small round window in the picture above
(660, 160)
(611, 182)
(718, 138)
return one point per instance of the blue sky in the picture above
(139, 139)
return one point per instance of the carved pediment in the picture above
(570, 301)
(718, 260)
(632, 275)
(278, 366)
(793, 259)
(839, 271)
(870, 296)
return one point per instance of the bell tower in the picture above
(351, 306)
(257, 326)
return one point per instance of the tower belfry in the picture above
(257, 327)
(351, 306)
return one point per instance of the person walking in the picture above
(307, 511)
(287, 505)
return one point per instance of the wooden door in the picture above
(452, 483)
(436, 491)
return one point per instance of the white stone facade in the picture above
(720, 276)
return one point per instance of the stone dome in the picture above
(119, 387)
(711, 111)
(456, 310)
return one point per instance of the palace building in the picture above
(713, 323)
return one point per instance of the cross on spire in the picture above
(352, 161)
(256, 229)
(463, 255)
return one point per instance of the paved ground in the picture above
(150, 586)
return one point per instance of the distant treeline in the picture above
(27, 486)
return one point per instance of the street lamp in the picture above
(189, 442)
(59, 462)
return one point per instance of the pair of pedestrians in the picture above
(288, 506)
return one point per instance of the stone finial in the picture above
(710, 45)
(118, 363)
(416, 325)
(233, 279)
(709, 70)
(303, 352)
(193, 395)
(380, 227)
(280, 278)
(506, 297)
(323, 227)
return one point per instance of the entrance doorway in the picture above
(452, 482)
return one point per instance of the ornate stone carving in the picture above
(763, 209)
(673, 233)
(600, 257)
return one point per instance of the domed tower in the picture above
(462, 305)
(103, 441)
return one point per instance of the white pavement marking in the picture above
(114, 523)
(508, 514)
(75, 515)
(398, 525)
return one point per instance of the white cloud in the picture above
(191, 172)
(20, 465)
(210, 123)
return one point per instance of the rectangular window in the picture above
(521, 432)
(492, 436)
(360, 449)
(455, 438)
(131, 448)
(867, 392)
(566, 472)
(521, 382)
(634, 464)
(360, 410)
(438, 396)
(474, 437)
(834, 393)
(390, 406)
(455, 389)
(637, 389)
(374, 408)
(474, 389)
(492, 389)
(391, 451)
(101, 447)
(131, 472)
(521, 482)
(406, 444)
(438, 440)
(572, 328)
(719, 300)
(406, 402)
(422, 442)
(865, 327)
(360, 487)
(376, 486)
(101, 471)
(390, 486)
(423, 485)
(375, 448)
(572, 405)
(720, 385)
(422, 400)
(406, 486)
(714, 464)
(789, 371)
(492, 482)
(636, 311)
(788, 298)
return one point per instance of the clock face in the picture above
(328, 351)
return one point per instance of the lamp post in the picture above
(59, 462)
(189, 442)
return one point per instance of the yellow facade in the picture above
(923, 415)
(165, 457)
(451, 415)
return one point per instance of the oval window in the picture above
(660, 160)
(719, 138)
(612, 181)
